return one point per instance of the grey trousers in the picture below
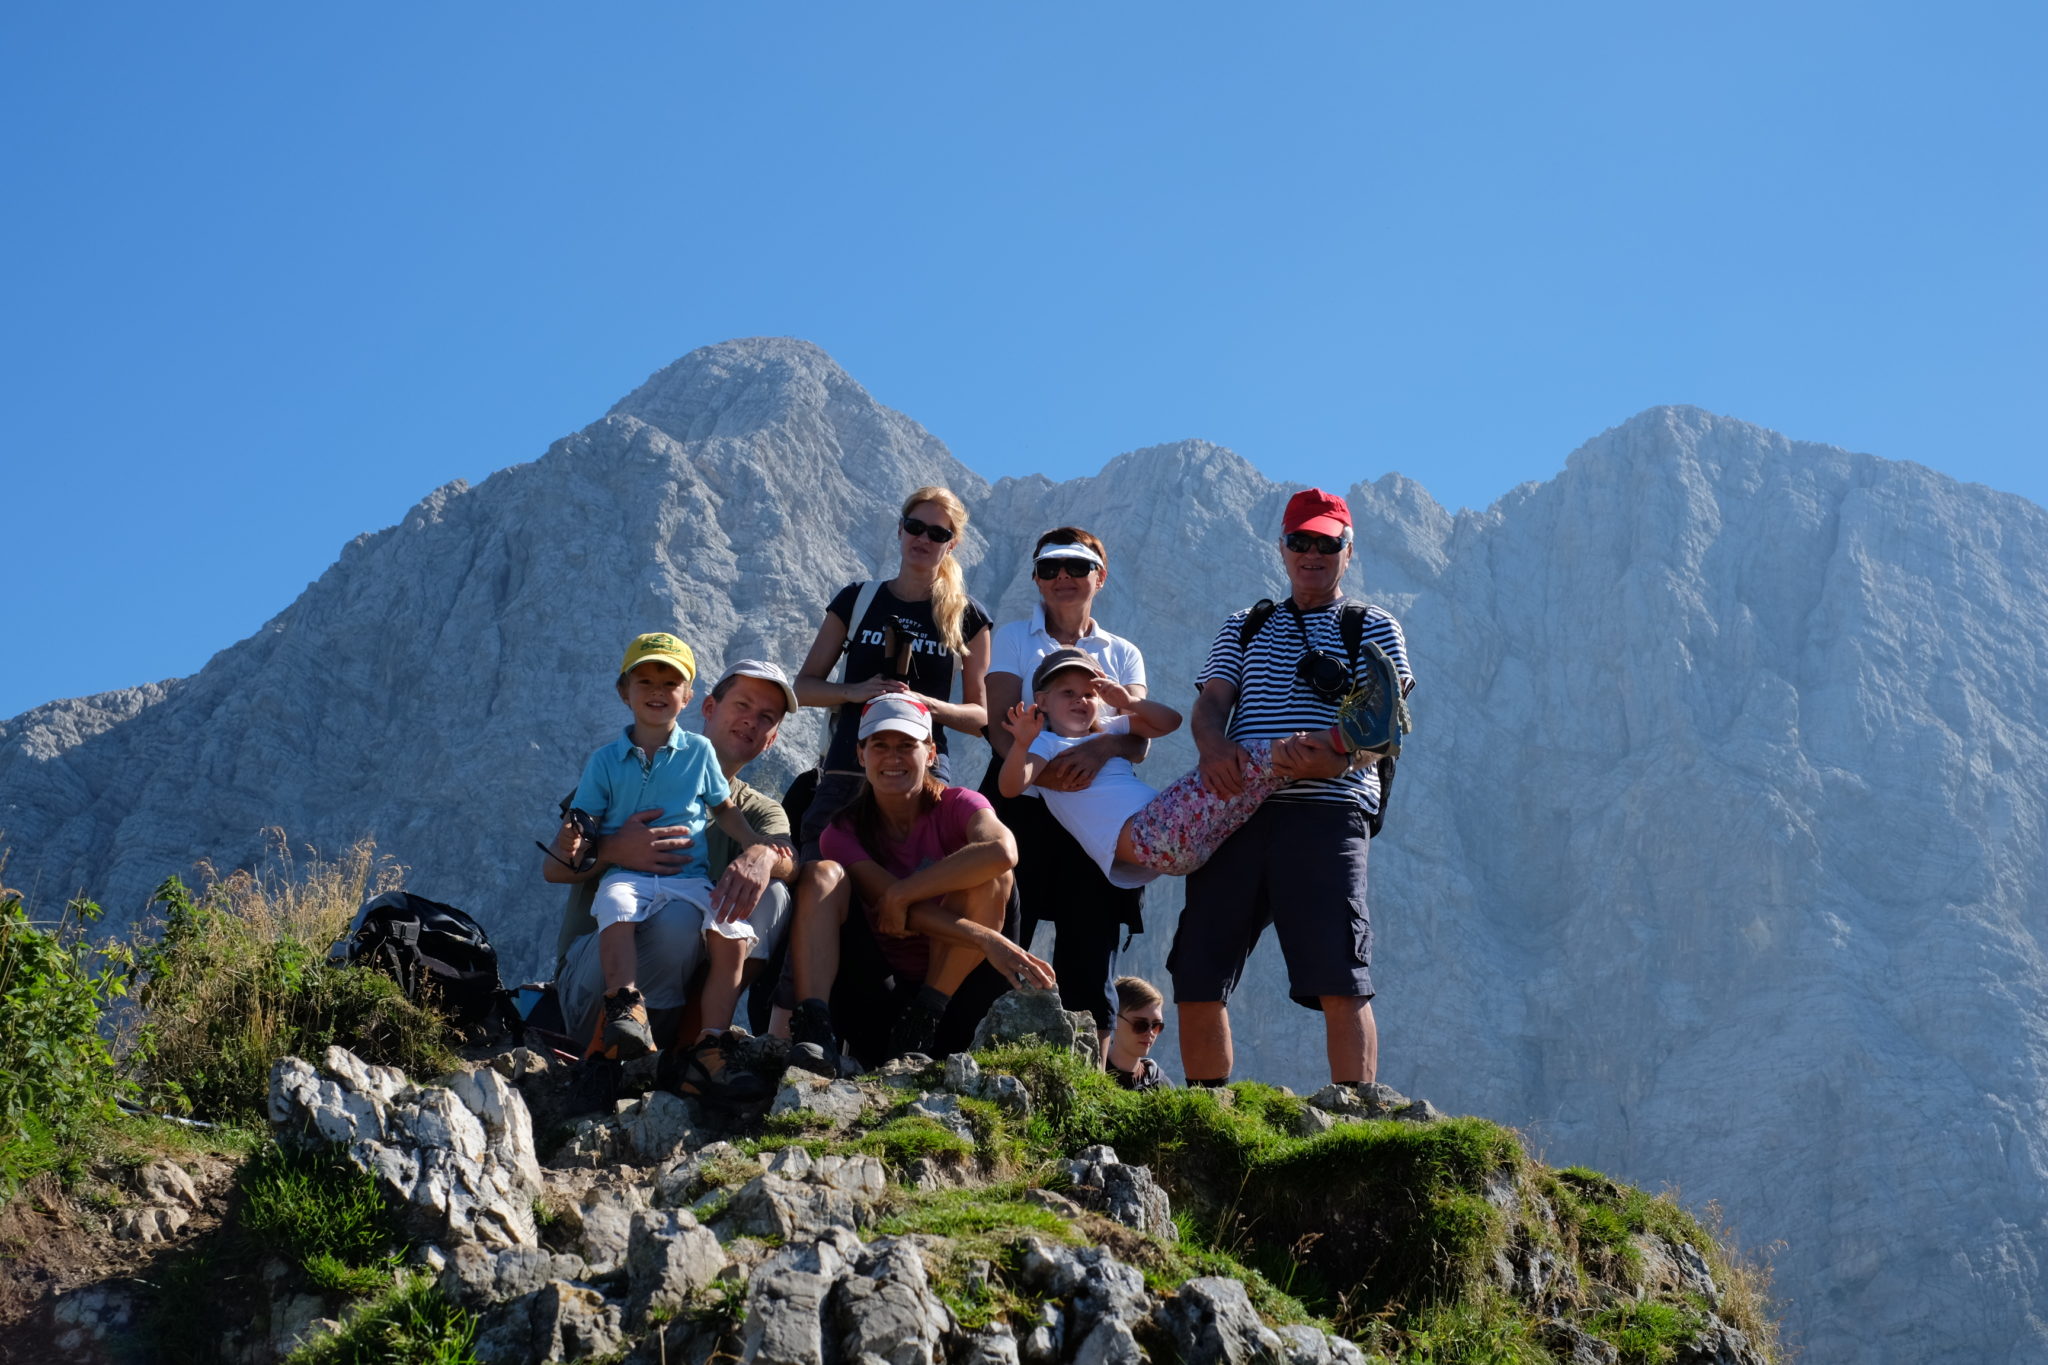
(670, 947)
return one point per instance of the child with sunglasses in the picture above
(1140, 1019)
(1134, 832)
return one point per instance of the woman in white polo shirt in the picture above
(1056, 879)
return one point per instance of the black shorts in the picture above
(1299, 866)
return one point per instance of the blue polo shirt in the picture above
(681, 778)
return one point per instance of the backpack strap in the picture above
(1254, 621)
(862, 600)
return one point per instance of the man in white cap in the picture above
(742, 714)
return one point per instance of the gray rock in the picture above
(905, 1073)
(1574, 1346)
(166, 1184)
(1420, 1111)
(885, 1313)
(1044, 1341)
(669, 1258)
(804, 1093)
(963, 1075)
(684, 1178)
(1301, 1345)
(993, 1345)
(573, 1323)
(601, 1222)
(946, 1110)
(1037, 1017)
(775, 1206)
(476, 1277)
(787, 1296)
(1311, 1121)
(150, 1226)
(1008, 1094)
(654, 1128)
(1128, 1194)
(1109, 1342)
(1720, 1344)
(1212, 1322)
(1368, 1101)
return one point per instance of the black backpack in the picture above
(1351, 627)
(439, 956)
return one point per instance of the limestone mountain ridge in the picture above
(1726, 781)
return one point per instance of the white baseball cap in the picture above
(766, 672)
(905, 715)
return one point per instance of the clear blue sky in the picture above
(275, 271)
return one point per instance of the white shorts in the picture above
(633, 897)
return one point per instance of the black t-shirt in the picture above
(897, 640)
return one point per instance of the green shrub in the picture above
(239, 978)
(57, 1074)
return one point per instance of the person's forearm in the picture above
(969, 865)
(777, 866)
(960, 716)
(1016, 773)
(1211, 723)
(933, 921)
(824, 692)
(1153, 719)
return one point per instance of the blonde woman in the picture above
(918, 630)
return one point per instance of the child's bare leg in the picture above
(1181, 827)
(725, 958)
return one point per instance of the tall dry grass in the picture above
(237, 977)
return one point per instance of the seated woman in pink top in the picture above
(929, 867)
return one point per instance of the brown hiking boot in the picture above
(626, 1034)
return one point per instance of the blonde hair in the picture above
(949, 585)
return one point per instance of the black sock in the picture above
(931, 1001)
(823, 1008)
(1216, 1084)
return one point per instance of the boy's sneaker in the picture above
(813, 1045)
(626, 1034)
(916, 1030)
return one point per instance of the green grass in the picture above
(316, 1209)
(410, 1324)
(1648, 1333)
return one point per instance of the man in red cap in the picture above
(1299, 863)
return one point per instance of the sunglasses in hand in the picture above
(937, 535)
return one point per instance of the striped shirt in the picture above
(1273, 701)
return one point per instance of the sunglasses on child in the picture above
(937, 535)
(1144, 1025)
(1049, 569)
(1309, 542)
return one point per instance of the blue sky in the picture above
(273, 272)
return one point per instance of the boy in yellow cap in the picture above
(656, 763)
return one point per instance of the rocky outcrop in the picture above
(735, 1247)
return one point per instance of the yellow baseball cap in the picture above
(664, 647)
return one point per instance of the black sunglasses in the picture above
(1049, 569)
(1144, 1025)
(937, 535)
(1307, 542)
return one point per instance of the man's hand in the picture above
(746, 878)
(1074, 769)
(1222, 768)
(1309, 755)
(640, 845)
(1021, 969)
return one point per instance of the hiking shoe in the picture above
(915, 1030)
(688, 1071)
(626, 1034)
(813, 1045)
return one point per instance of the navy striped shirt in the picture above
(1273, 701)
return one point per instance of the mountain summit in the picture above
(1717, 855)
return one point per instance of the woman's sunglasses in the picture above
(937, 535)
(1049, 569)
(1308, 542)
(1144, 1025)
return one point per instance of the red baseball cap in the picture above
(1312, 509)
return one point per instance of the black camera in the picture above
(1325, 674)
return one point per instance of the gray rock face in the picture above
(1128, 1194)
(1715, 856)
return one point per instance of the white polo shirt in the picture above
(1019, 645)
